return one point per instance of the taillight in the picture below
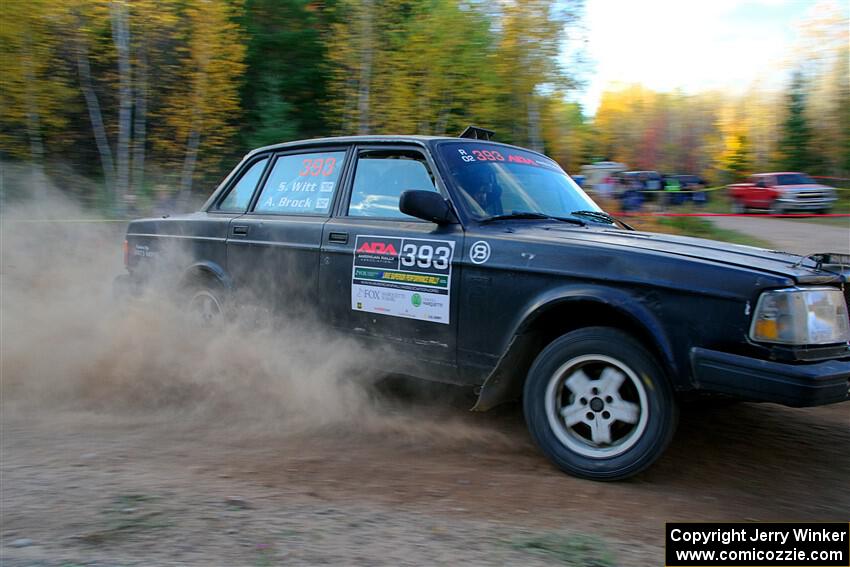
(126, 248)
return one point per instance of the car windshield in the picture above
(793, 179)
(501, 180)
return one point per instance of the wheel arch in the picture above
(205, 271)
(560, 312)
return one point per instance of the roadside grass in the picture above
(702, 228)
(572, 550)
(686, 226)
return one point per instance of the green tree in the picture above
(739, 163)
(794, 145)
(527, 63)
(566, 133)
(438, 72)
(282, 96)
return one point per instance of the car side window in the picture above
(301, 184)
(380, 179)
(240, 194)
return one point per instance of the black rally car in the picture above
(484, 264)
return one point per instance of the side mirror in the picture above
(426, 205)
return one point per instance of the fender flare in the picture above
(209, 269)
(502, 384)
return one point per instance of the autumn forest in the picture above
(140, 95)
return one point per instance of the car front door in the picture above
(273, 250)
(761, 192)
(387, 276)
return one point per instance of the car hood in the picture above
(804, 187)
(784, 264)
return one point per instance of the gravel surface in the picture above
(94, 488)
(791, 235)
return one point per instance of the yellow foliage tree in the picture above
(200, 109)
(34, 89)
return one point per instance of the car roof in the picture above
(781, 173)
(389, 138)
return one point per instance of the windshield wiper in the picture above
(600, 215)
(531, 215)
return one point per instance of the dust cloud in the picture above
(69, 346)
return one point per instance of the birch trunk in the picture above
(33, 118)
(34, 128)
(189, 167)
(121, 39)
(365, 68)
(140, 118)
(95, 115)
(534, 125)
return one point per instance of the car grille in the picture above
(810, 195)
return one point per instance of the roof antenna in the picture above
(476, 133)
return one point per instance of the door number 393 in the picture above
(425, 256)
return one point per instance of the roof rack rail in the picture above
(476, 133)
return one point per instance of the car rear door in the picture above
(386, 276)
(273, 250)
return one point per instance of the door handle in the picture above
(240, 229)
(339, 237)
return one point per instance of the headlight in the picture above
(812, 316)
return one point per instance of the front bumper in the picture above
(806, 204)
(797, 385)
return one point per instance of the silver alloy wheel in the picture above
(205, 308)
(596, 406)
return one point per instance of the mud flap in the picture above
(505, 383)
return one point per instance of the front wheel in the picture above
(776, 209)
(598, 404)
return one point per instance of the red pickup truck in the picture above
(780, 193)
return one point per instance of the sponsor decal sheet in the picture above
(402, 277)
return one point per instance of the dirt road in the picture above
(92, 487)
(801, 236)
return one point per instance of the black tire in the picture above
(631, 446)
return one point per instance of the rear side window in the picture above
(380, 179)
(240, 195)
(301, 184)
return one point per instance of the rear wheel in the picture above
(598, 404)
(738, 207)
(205, 304)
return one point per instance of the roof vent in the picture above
(476, 133)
